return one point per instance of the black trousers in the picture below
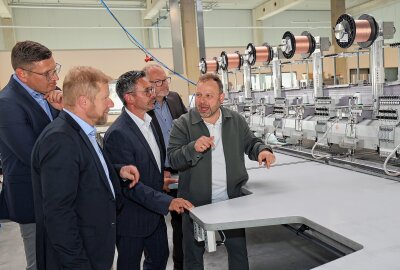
(235, 244)
(176, 223)
(155, 247)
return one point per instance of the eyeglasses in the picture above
(48, 74)
(159, 83)
(148, 91)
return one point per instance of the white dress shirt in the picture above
(218, 166)
(148, 134)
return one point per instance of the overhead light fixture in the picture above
(114, 5)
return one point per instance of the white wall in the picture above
(228, 37)
(2, 47)
(78, 38)
(161, 37)
(296, 22)
(102, 47)
(214, 35)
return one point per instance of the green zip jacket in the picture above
(195, 168)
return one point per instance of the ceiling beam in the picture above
(273, 7)
(153, 7)
(4, 10)
(368, 6)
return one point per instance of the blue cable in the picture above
(140, 46)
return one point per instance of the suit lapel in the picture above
(159, 144)
(158, 132)
(171, 107)
(114, 178)
(89, 145)
(27, 98)
(97, 159)
(132, 125)
(174, 105)
(54, 112)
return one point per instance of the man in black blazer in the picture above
(132, 139)
(76, 191)
(168, 106)
(28, 103)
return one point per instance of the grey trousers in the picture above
(28, 233)
(193, 251)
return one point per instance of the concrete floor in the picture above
(272, 247)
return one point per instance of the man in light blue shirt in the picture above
(28, 103)
(76, 190)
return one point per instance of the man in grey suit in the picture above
(207, 146)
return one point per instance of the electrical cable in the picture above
(273, 130)
(141, 47)
(387, 160)
(223, 238)
(191, 100)
(318, 143)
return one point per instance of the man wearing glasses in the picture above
(168, 106)
(132, 139)
(27, 104)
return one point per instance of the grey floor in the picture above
(269, 248)
(272, 247)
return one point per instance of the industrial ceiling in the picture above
(153, 6)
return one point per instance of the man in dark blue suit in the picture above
(76, 190)
(132, 139)
(168, 106)
(28, 103)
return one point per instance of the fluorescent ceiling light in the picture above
(68, 4)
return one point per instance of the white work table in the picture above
(358, 210)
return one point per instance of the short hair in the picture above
(82, 81)
(150, 66)
(25, 53)
(212, 77)
(127, 83)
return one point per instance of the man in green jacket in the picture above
(207, 147)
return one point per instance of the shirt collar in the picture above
(33, 93)
(139, 122)
(158, 106)
(88, 129)
(218, 122)
(196, 118)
